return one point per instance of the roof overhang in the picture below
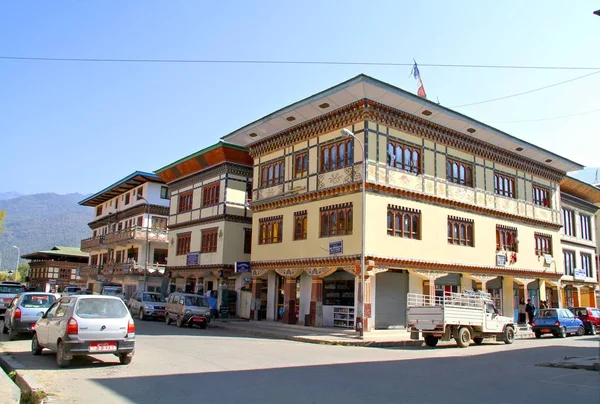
(365, 87)
(123, 185)
(580, 189)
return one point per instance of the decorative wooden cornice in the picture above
(208, 267)
(212, 219)
(212, 172)
(366, 109)
(302, 263)
(128, 214)
(274, 203)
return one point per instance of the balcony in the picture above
(132, 268)
(124, 237)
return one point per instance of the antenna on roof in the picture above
(596, 180)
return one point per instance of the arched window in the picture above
(333, 223)
(275, 232)
(390, 223)
(342, 223)
(415, 226)
(276, 175)
(326, 159)
(349, 219)
(342, 154)
(398, 224)
(407, 159)
(334, 157)
(325, 225)
(350, 152)
(450, 232)
(398, 157)
(415, 161)
(463, 234)
(391, 155)
(270, 177)
(407, 225)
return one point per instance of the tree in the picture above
(22, 272)
(2, 216)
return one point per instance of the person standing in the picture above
(530, 309)
(522, 319)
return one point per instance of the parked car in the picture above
(558, 322)
(85, 325)
(83, 292)
(590, 316)
(24, 311)
(8, 291)
(113, 291)
(71, 290)
(147, 304)
(187, 309)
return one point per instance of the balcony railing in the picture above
(125, 236)
(132, 268)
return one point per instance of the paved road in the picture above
(193, 365)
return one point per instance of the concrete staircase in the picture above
(524, 331)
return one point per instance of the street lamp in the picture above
(361, 303)
(139, 197)
(18, 259)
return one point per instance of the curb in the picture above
(23, 383)
(8, 388)
(368, 344)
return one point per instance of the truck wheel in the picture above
(463, 337)
(431, 341)
(478, 341)
(509, 335)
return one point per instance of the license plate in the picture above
(160, 313)
(103, 346)
(545, 330)
(198, 320)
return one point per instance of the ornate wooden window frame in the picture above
(461, 231)
(336, 220)
(459, 172)
(211, 194)
(541, 195)
(408, 155)
(270, 230)
(404, 222)
(209, 240)
(301, 164)
(336, 155)
(506, 238)
(300, 225)
(271, 173)
(184, 241)
(543, 244)
(505, 185)
(184, 201)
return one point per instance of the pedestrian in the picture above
(522, 319)
(530, 309)
(543, 304)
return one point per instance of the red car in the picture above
(590, 317)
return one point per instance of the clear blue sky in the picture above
(78, 127)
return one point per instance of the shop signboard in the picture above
(336, 247)
(242, 267)
(193, 258)
(500, 260)
(580, 273)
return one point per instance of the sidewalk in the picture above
(331, 336)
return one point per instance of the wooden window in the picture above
(127, 198)
(460, 231)
(541, 196)
(164, 192)
(247, 241)
(271, 229)
(404, 157)
(586, 264)
(209, 240)
(568, 217)
(183, 243)
(336, 220)
(140, 221)
(140, 191)
(543, 244)
(211, 194)
(585, 223)
(337, 155)
(300, 225)
(99, 210)
(569, 257)
(504, 185)
(271, 174)
(159, 223)
(403, 222)
(459, 172)
(248, 191)
(506, 238)
(185, 202)
(300, 165)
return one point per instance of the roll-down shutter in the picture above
(390, 300)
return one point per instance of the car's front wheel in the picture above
(36, 349)
(4, 327)
(141, 315)
(61, 360)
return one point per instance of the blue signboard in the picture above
(193, 258)
(336, 247)
(242, 267)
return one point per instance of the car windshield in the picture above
(579, 311)
(112, 291)
(547, 314)
(37, 301)
(152, 297)
(11, 289)
(196, 301)
(100, 308)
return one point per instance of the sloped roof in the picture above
(58, 252)
(120, 187)
(580, 189)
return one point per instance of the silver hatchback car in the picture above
(24, 311)
(85, 325)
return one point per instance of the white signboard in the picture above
(580, 273)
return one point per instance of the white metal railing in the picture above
(464, 299)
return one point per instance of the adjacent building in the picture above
(129, 241)
(451, 204)
(580, 204)
(210, 222)
(56, 268)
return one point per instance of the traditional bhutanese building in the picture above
(210, 221)
(451, 204)
(580, 204)
(129, 234)
(56, 268)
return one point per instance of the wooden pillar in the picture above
(576, 296)
(254, 309)
(368, 307)
(289, 301)
(316, 303)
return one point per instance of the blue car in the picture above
(558, 322)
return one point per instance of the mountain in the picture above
(41, 221)
(8, 195)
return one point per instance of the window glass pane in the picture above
(333, 158)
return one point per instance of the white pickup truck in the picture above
(462, 316)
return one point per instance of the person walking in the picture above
(530, 309)
(522, 319)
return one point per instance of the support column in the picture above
(316, 302)
(367, 323)
(255, 302)
(508, 302)
(576, 296)
(542, 284)
(289, 302)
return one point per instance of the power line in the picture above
(549, 119)
(526, 92)
(291, 62)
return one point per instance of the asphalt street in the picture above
(191, 365)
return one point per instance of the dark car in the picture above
(558, 322)
(590, 316)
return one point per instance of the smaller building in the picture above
(56, 268)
